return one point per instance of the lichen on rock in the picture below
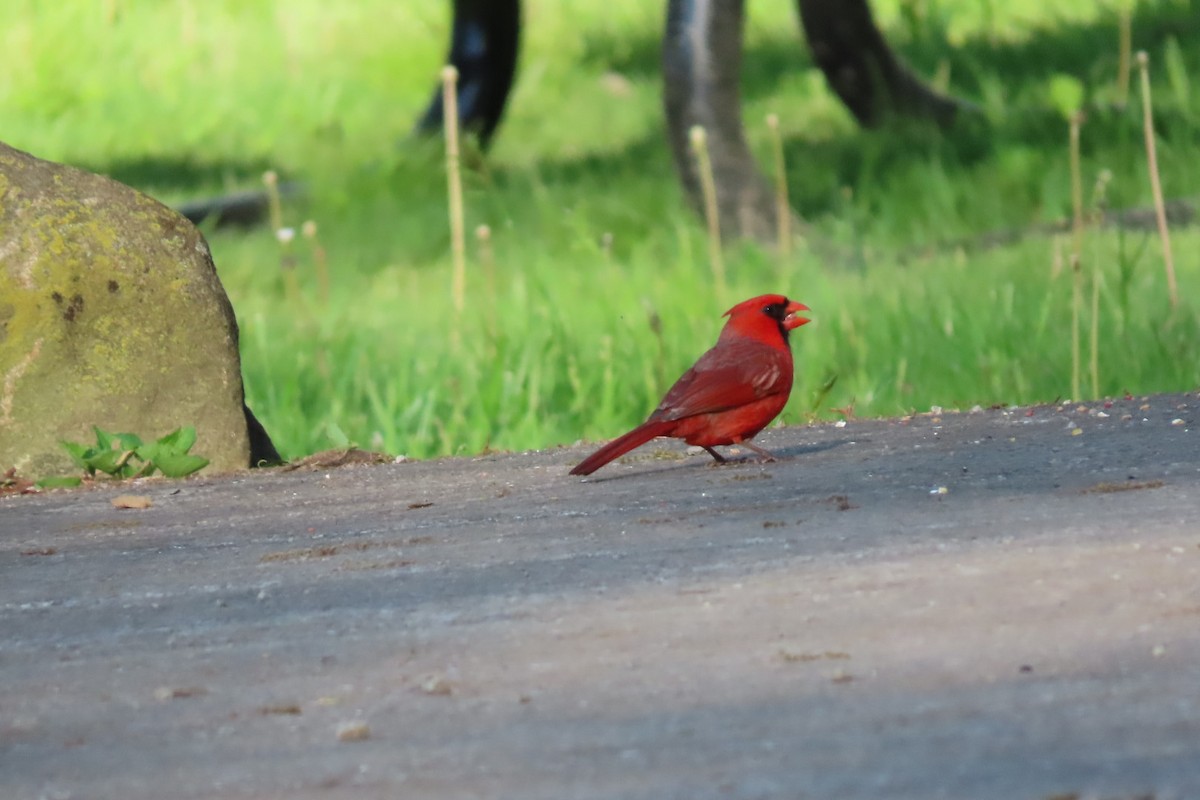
(111, 314)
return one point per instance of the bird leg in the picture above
(763, 454)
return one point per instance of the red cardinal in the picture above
(731, 393)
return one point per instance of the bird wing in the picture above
(730, 375)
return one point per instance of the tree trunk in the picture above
(860, 67)
(702, 60)
(483, 48)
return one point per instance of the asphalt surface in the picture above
(1001, 604)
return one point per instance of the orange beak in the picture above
(793, 321)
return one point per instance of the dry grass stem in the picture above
(458, 247)
(711, 214)
(1076, 249)
(287, 265)
(1099, 202)
(320, 258)
(1076, 304)
(1160, 211)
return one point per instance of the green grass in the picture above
(189, 98)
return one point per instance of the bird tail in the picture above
(622, 445)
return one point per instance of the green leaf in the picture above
(125, 455)
(177, 465)
(117, 463)
(146, 470)
(59, 482)
(179, 440)
(151, 450)
(167, 442)
(128, 441)
(187, 438)
(105, 462)
(1066, 92)
(79, 453)
(104, 439)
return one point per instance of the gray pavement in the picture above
(983, 605)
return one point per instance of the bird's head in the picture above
(761, 315)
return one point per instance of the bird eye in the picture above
(771, 310)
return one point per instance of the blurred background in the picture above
(935, 261)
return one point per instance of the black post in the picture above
(484, 43)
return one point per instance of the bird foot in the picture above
(760, 456)
(751, 459)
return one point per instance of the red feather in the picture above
(731, 393)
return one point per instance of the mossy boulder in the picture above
(111, 314)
